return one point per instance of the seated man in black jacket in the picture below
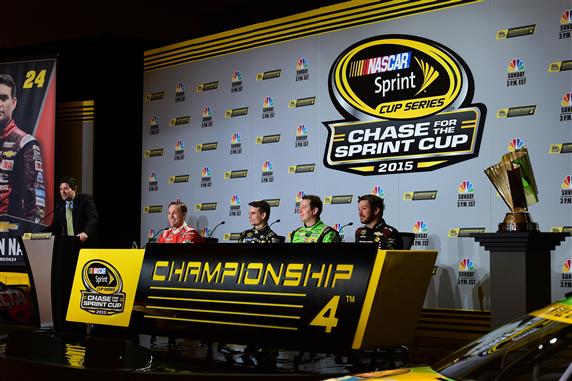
(258, 216)
(370, 208)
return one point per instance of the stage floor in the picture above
(196, 360)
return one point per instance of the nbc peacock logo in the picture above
(205, 232)
(566, 182)
(466, 187)
(301, 136)
(516, 75)
(302, 63)
(516, 65)
(268, 102)
(378, 191)
(154, 125)
(207, 117)
(301, 130)
(179, 150)
(267, 166)
(566, 17)
(566, 99)
(565, 24)
(207, 112)
(153, 182)
(566, 275)
(267, 172)
(206, 172)
(267, 107)
(302, 69)
(566, 196)
(466, 274)
(180, 92)
(566, 107)
(234, 206)
(514, 144)
(236, 82)
(566, 266)
(297, 201)
(206, 177)
(466, 264)
(420, 227)
(421, 233)
(235, 144)
(150, 233)
(466, 194)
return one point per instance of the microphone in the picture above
(278, 220)
(154, 236)
(219, 224)
(45, 217)
(343, 226)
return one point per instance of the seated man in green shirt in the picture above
(313, 230)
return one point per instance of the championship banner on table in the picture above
(104, 286)
(317, 297)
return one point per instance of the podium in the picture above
(519, 271)
(50, 263)
(38, 264)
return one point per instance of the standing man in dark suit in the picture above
(76, 214)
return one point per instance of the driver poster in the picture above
(27, 120)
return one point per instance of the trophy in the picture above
(514, 181)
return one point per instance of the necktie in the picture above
(69, 219)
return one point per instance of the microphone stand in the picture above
(342, 228)
(154, 236)
(219, 224)
(43, 219)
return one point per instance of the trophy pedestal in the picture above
(519, 271)
(517, 222)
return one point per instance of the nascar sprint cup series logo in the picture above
(406, 103)
(103, 285)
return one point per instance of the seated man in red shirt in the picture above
(179, 231)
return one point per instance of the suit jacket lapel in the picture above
(75, 212)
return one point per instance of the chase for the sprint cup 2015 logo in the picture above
(103, 294)
(406, 103)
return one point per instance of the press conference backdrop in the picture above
(407, 101)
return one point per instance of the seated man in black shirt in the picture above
(258, 216)
(370, 208)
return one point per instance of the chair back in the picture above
(407, 240)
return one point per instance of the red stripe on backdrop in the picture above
(45, 131)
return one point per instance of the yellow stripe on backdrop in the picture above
(323, 20)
